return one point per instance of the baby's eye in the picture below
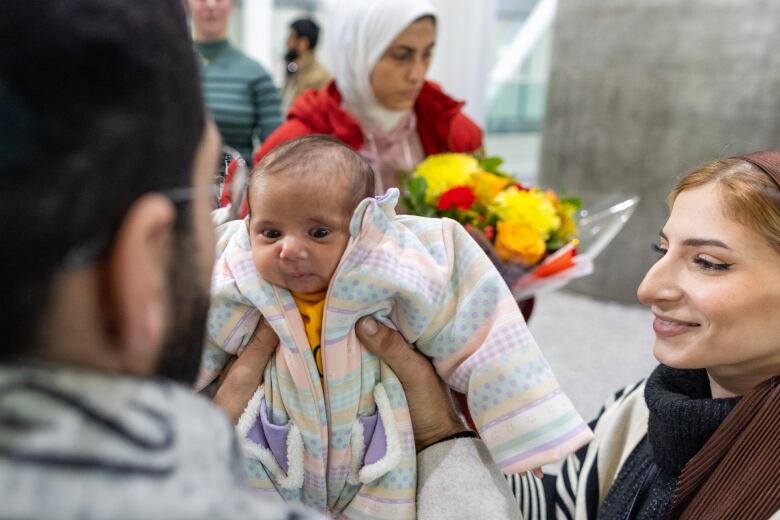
(319, 232)
(271, 234)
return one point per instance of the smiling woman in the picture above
(698, 438)
(716, 289)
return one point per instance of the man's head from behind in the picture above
(102, 125)
(301, 199)
(302, 39)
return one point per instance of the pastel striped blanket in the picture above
(345, 445)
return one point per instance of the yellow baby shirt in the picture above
(311, 307)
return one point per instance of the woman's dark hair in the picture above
(100, 103)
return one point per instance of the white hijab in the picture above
(359, 33)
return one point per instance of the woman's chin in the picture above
(399, 104)
(673, 357)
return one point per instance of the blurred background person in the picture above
(239, 92)
(380, 102)
(303, 69)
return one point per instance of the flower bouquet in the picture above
(530, 234)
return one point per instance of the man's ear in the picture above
(137, 282)
(303, 44)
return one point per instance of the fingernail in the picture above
(368, 326)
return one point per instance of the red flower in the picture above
(490, 232)
(460, 197)
(520, 186)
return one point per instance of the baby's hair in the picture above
(308, 156)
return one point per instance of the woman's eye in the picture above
(319, 232)
(271, 234)
(658, 249)
(710, 265)
(401, 57)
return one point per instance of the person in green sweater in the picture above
(239, 92)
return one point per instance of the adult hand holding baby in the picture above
(432, 412)
(242, 377)
(431, 409)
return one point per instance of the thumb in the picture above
(389, 346)
(432, 414)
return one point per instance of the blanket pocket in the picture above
(376, 447)
(279, 448)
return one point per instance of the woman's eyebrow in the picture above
(705, 242)
(698, 242)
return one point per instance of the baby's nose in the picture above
(293, 249)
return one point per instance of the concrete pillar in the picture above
(640, 92)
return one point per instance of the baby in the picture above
(329, 426)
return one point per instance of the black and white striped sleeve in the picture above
(558, 496)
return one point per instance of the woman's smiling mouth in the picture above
(667, 327)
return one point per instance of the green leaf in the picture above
(491, 164)
(417, 188)
(554, 243)
(414, 196)
(574, 201)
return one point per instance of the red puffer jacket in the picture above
(441, 124)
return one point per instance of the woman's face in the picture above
(399, 74)
(715, 293)
(210, 18)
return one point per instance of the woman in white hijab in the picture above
(380, 102)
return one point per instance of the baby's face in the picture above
(298, 231)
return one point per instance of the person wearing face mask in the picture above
(699, 437)
(239, 92)
(303, 69)
(380, 103)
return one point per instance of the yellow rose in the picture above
(519, 243)
(552, 197)
(487, 185)
(568, 228)
(532, 208)
(445, 171)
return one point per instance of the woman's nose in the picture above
(660, 284)
(293, 249)
(418, 69)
